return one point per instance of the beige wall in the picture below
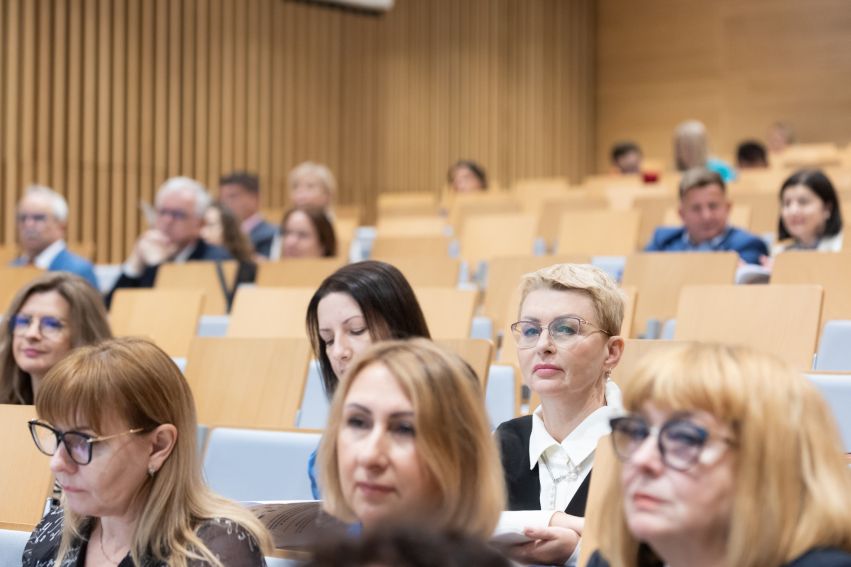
(104, 99)
(737, 65)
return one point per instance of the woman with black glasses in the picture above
(568, 342)
(49, 317)
(729, 457)
(118, 421)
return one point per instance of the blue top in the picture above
(675, 239)
(67, 261)
(722, 168)
(311, 473)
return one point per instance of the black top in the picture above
(823, 557)
(523, 484)
(229, 541)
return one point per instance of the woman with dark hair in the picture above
(810, 217)
(307, 232)
(221, 228)
(467, 176)
(358, 305)
(48, 318)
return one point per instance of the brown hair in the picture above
(233, 239)
(453, 435)
(134, 380)
(321, 223)
(87, 322)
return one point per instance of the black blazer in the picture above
(522, 483)
(203, 251)
(261, 237)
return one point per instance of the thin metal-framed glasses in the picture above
(562, 331)
(78, 445)
(48, 326)
(682, 443)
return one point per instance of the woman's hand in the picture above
(562, 520)
(553, 545)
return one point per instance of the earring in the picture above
(151, 471)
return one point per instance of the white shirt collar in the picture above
(185, 253)
(582, 441)
(49, 254)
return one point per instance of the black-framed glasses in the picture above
(78, 445)
(682, 443)
(562, 331)
(48, 326)
(175, 214)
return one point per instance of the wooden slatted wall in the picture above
(104, 99)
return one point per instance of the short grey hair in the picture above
(57, 201)
(690, 144)
(312, 168)
(186, 184)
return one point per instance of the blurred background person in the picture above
(810, 215)
(408, 443)
(312, 185)
(626, 158)
(780, 136)
(41, 220)
(691, 149)
(48, 318)
(307, 232)
(240, 192)
(728, 457)
(751, 155)
(118, 421)
(467, 176)
(568, 343)
(221, 228)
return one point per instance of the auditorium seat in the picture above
(598, 233)
(552, 208)
(169, 317)
(269, 312)
(425, 270)
(12, 543)
(500, 234)
(414, 246)
(12, 280)
(297, 272)
(502, 395)
(836, 389)
(200, 275)
(831, 270)
(448, 311)
(250, 465)
(834, 351)
(406, 203)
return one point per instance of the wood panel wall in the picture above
(104, 99)
(737, 66)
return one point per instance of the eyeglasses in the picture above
(682, 443)
(77, 445)
(49, 327)
(175, 214)
(22, 218)
(562, 330)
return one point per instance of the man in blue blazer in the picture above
(175, 237)
(704, 209)
(240, 192)
(41, 219)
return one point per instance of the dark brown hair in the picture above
(819, 184)
(233, 239)
(322, 224)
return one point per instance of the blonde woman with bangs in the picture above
(729, 457)
(568, 341)
(408, 443)
(118, 421)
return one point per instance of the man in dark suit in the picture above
(240, 192)
(704, 209)
(176, 236)
(41, 218)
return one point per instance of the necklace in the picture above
(571, 474)
(103, 551)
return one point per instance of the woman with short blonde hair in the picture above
(118, 420)
(743, 466)
(312, 185)
(452, 444)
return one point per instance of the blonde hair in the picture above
(87, 323)
(319, 170)
(607, 298)
(791, 495)
(453, 435)
(139, 383)
(690, 145)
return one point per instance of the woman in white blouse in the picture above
(568, 342)
(810, 217)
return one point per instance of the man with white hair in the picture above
(176, 236)
(41, 218)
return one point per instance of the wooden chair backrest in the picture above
(169, 317)
(636, 349)
(466, 207)
(84, 249)
(764, 209)
(448, 311)
(659, 277)
(273, 215)
(407, 203)
(270, 312)
(652, 209)
(426, 271)
(504, 273)
(598, 233)
(605, 466)
(411, 226)
(297, 272)
(12, 280)
(811, 155)
(8, 252)
(25, 477)
(552, 209)
(199, 275)
(831, 270)
(416, 246)
(487, 236)
(478, 353)
(779, 319)
(253, 383)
